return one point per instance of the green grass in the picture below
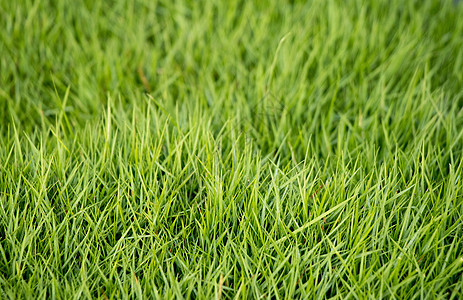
(231, 149)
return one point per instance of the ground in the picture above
(231, 149)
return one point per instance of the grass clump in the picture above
(241, 149)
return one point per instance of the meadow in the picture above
(231, 149)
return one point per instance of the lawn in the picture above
(231, 149)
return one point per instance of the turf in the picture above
(231, 149)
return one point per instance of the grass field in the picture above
(231, 149)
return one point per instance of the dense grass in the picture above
(222, 149)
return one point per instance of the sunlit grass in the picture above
(231, 149)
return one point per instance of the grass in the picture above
(231, 149)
